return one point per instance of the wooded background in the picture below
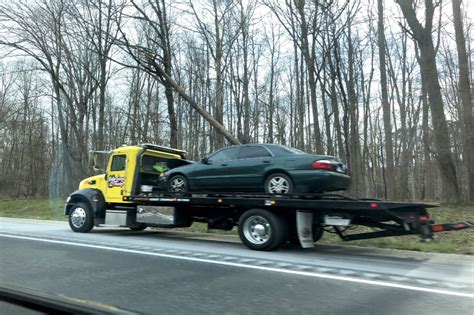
(384, 84)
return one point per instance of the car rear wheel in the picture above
(278, 183)
(178, 184)
(262, 230)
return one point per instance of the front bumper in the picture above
(319, 181)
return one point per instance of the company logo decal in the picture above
(115, 181)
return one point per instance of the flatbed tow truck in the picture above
(129, 195)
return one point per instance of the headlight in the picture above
(68, 199)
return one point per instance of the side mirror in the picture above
(97, 160)
(205, 160)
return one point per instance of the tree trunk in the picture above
(219, 110)
(389, 169)
(309, 60)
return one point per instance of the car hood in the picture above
(182, 168)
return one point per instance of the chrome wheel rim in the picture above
(278, 185)
(178, 184)
(257, 229)
(78, 217)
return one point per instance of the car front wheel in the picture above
(178, 184)
(278, 183)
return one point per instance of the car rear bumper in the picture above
(319, 180)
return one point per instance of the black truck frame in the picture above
(265, 222)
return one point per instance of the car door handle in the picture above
(266, 161)
(223, 164)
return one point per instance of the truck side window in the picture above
(118, 163)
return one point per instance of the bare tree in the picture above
(429, 73)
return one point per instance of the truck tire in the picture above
(138, 227)
(262, 230)
(318, 233)
(81, 218)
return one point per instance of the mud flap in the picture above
(304, 226)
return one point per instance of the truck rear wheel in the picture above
(318, 233)
(138, 227)
(262, 230)
(81, 218)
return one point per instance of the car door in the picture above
(116, 177)
(213, 175)
(246, 173)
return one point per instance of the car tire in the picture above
(178, 184)
(81, 218)
(278, 183)
(262, 230)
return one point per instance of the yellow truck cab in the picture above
(130, 170)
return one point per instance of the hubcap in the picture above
(257, 229)
(278, 185)
(78, 217)
(178, 185)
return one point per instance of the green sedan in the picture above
(269, 168)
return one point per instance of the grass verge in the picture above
(42, 209)
(456, 242)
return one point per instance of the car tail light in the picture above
(323, 165)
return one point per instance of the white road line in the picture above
(240, 265)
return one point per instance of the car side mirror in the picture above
(205, 160)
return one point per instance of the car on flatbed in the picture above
(269, 168)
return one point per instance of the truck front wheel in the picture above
(262, 230)
(81, 218)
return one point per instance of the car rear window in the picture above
(253, 152)
(283, 150)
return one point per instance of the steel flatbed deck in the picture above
(328, 210)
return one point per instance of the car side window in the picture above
(118, 163)
(224, 155)
(253, 152)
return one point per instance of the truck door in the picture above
(116, 178)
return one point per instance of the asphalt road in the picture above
(181, 273)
